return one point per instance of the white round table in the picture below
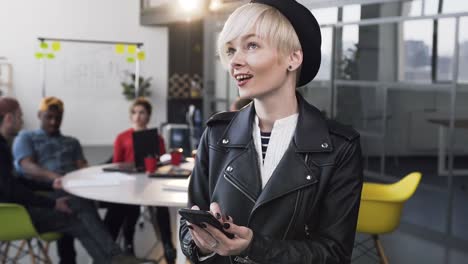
(136, 188)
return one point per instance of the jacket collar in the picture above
(311, 133)
(3, 139)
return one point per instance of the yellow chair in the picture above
(16, 225)
(380, 209)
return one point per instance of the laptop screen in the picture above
(145, 143)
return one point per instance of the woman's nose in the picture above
(237, 60)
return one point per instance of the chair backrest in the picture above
(15, 223)
(382, 204)
(399, 191)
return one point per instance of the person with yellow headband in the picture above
(45, 155)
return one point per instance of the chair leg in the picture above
(380, 250)
(4, 255)
(20, 249)
(31, 252)
(44, 252)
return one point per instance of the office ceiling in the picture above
(324, 3)
(332, 3)
(160, 12)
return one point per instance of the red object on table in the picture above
(176, 157)
(151, 164)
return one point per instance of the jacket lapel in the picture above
(291, 174)
(239, 131)
(243, 172)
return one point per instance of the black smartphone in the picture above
(197, 217)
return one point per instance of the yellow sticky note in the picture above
(141, 55)
(130, 59)
(50, 56)
(39, 55)
(131, 49)
(119, 48)
(56, 46)
(44, 45)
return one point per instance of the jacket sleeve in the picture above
(198, 195)
(14, 192)
(333, 240)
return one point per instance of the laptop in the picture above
(145, 143)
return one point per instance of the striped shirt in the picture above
(271, 150)
(265, 136)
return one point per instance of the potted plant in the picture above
(128, 87)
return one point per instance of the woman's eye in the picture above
(252, 45)
(230, 51)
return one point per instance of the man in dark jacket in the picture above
(68, 215)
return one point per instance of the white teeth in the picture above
(242, 77)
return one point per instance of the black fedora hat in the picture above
(308, 32)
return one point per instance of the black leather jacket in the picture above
(307, 212)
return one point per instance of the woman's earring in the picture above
(289, 68)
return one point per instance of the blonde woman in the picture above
(276, 174)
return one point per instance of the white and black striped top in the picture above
(265, 136)
(272, 146)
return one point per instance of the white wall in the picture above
(94, 117)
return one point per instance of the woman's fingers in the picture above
(229, 219)
(226, 246)
(240, 231)
(216, 234)
(203, 239)
(216, 211)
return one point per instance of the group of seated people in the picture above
(32, 161)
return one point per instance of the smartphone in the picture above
(197, 217)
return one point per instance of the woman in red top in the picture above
(125, 216)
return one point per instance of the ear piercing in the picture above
(290, 68)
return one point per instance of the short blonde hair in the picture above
(269, 24)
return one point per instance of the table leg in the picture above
(442, 152)
(442, 163)
(181, 259)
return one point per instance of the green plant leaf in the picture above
(50, 56)
(44, 45)
(130, 59)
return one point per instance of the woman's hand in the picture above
(209, 239)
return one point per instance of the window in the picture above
(326, 15)
(454, 6)
(417, 50)
(445, 49)
(326, 63)
(463, 52)
(351, 13)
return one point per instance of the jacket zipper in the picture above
(298, 198)
(239, 188)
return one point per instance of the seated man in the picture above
(67, 215)
(45, 155)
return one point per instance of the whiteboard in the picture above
(87, 78)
